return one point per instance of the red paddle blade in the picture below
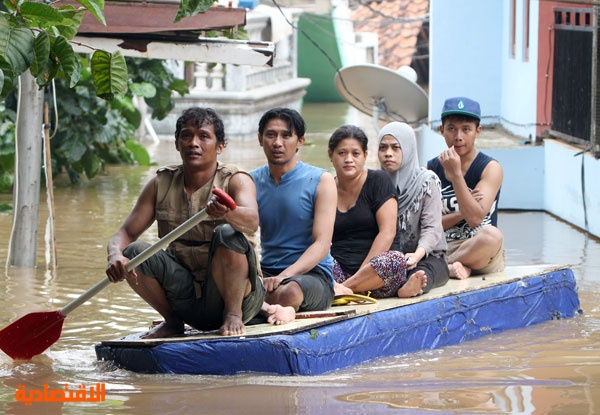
(31, 334)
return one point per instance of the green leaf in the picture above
(161, 103)
(188, 8)
(143, 89)
(41, 13)
(16, 45)
(49, 72)
(72, 21)
(124, 105)
(109, 72)
(4, 207)
(7, 157)
(75, 151)
(67, 59)
(181, 86)
(41, 53)
(91, 164)
(9, 77)
(95, 7)
(9, 5)
(140, 154)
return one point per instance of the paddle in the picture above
(35, 332)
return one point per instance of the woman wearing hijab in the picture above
(365, 244)
(422, 237)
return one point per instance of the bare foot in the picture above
(458, 270)
(232, 325)
(414, 285)
(164, 329)
(278, 314)
(340, 289)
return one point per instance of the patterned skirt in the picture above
(391, 268)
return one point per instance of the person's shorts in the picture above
(496, 264)
(204, 312)
(316, 285)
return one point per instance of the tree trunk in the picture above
(23, 250)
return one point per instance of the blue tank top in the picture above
(286, 212)
(449, 203)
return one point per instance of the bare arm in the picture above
(244, 217)
(387, 222)
(322, 231)
(472, 209)
(140, 218)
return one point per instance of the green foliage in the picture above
(35, 36)
(110, 73)
(192, 8)
(92, 132)
(138, 152)
(150, 79)
(95, 132)
(7, 148)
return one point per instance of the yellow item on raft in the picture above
(344, 299)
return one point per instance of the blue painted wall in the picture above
(563, 182)
(465, 54)
(518, 100)
(523, 186)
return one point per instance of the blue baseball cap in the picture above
(461, 106)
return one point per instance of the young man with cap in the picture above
(471, 183)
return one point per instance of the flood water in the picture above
(549, 368)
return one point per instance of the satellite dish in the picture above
(383, 93)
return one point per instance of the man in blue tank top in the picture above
(297, 206)
(471, 183)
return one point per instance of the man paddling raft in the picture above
(209, 277)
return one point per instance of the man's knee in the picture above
(224, 235)
(490, 235)
(135, 248)
(287, 294)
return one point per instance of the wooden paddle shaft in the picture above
(151, 250)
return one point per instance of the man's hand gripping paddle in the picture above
(33, 333)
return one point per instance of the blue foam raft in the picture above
(454, 318)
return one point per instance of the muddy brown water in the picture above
(549, 368)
